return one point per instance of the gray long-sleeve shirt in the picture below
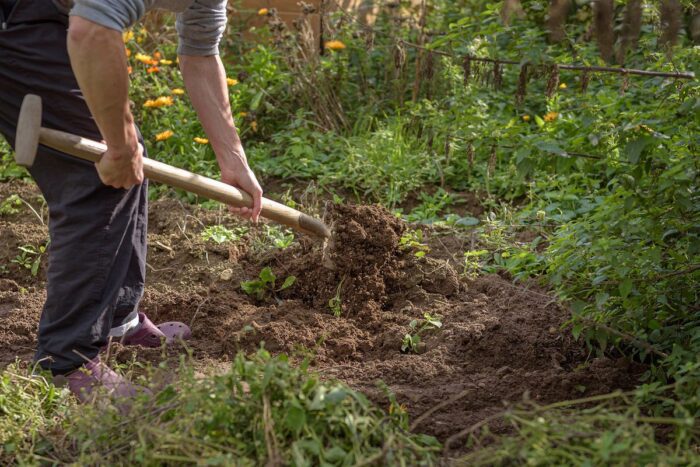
(200, 23)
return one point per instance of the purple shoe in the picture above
(93, 374)
(150, 335)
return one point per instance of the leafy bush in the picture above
(262, 410)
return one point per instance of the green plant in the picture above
(30, 257)
(418, 327)
(335, 303)
(264, 286)
(10, 205)
(413, 240)
(222, 234)
(281, 238)
(472, 264)
(261, 410)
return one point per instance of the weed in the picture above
(264, 286)
(472, 265)
(413, 240)
(335, 303)
(10, 205)
(280, 237)
(30, 257)
(222, 234)
(418, 327)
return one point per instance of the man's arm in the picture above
(99, 63)
(205, 80)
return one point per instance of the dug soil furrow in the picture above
(498, 342)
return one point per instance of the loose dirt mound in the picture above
(499, 341)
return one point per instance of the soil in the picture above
(500, 342)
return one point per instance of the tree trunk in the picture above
(603, 19)
(558, 9)
(670, 22)
(631, 28)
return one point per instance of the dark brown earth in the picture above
(499, 342)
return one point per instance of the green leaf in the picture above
(633, 149)
(255, 103)
(550, 146)
(288, 282)
(251, 287)
(626, 287)
(296, 417)
(267, 276)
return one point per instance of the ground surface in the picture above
(499, 342)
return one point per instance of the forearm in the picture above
(99, 63)
(205, 80)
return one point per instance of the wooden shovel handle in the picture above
(163, 173)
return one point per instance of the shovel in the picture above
(30, 134)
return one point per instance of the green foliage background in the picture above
(606, 177)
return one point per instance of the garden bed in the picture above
(498, 342)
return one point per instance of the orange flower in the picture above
(263, 11)
(550, 116)
(129, 69)
(199, 140)
(153, 69)
(162, 101)
(156, 55)
(164, 135)
(127, 51)
(335, 45)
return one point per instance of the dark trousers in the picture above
(97, 255)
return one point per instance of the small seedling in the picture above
(413, 240)
(264, 286)
(222, 234)
(472, 266)
(281, 238)
(10, 205)
(30, 257)
(419, 326)
(335, 303)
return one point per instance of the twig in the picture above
(595, 69)
(440, 406)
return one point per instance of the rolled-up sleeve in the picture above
(112, 14)
(200, 27)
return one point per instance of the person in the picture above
(72, 55)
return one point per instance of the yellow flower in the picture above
(164, 135)
(127, 36)
(335, 45)
(162, 101)
(177, 91)
(263, 11)
(254, 126)
(231, 81)
(550, 116)
(166, 62)
(199, 140)
(127, 51)
(243, 114)
(526, 118)
(147, 59)
(563, 86)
